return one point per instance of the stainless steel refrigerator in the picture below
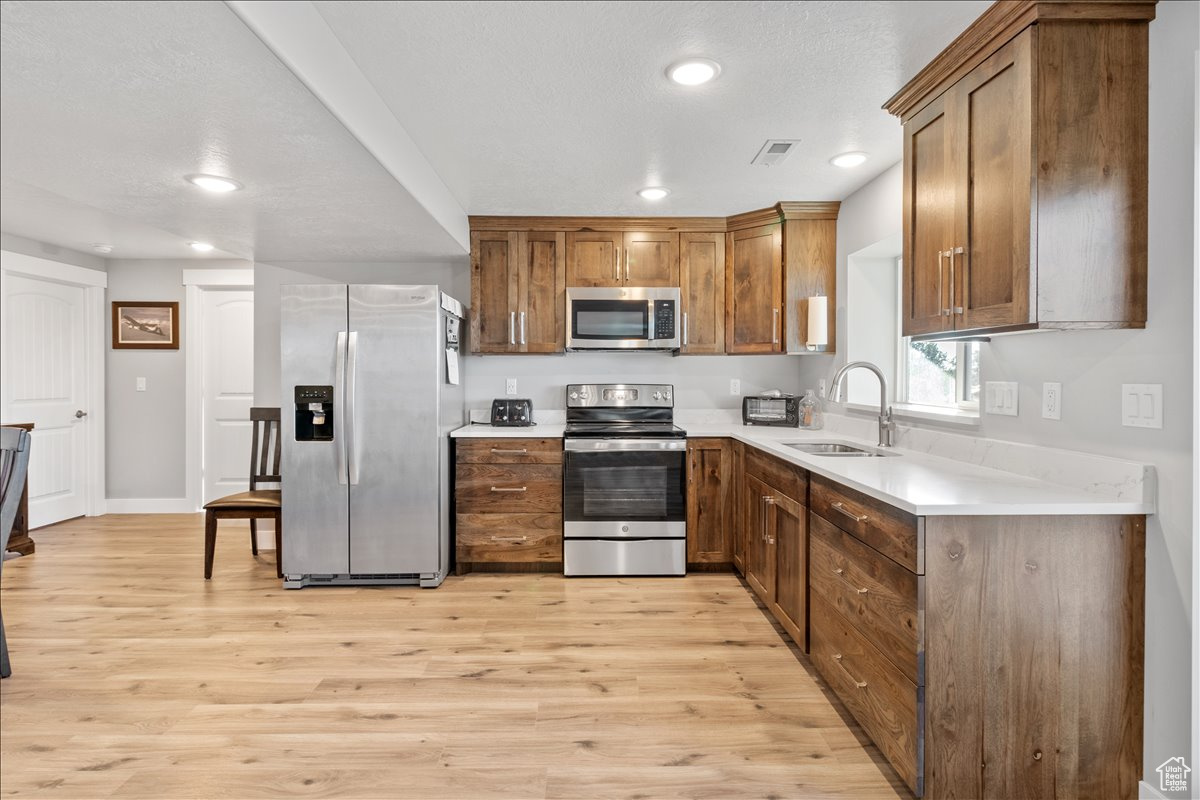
(370, 395)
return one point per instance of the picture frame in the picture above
(145, 325)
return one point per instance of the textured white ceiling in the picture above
(564, 108)
(520, 107)
(105, 106)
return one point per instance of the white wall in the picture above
(872, 294)
(1092, 365)
(699, 381)
(146, 431)
(454, 278)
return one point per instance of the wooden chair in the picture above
(14, 465)
(257, 503)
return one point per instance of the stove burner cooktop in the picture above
(624, 430)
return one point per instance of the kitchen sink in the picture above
(838, 449)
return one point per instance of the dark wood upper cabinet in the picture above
(542, 292)
(1025, 158)
(594, 258)
(629, 258)
(494, 283)
(517, 291)
(754, 290)
(744, 280)
(702, 286)
(651, 258)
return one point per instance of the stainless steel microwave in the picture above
(622, 318)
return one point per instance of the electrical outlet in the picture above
(510, 386)
(735, 386)
(822, 388)
(141, 384)
(1001, 398)
(1051, 401)
(1141, 405)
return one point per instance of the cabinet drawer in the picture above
(517, 488)
(875, 593)
(500, 538)
(781, 476)
(886, 528)
(509, 451)
(882, 700)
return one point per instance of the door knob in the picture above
(80, 414)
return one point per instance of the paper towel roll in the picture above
(818, 321)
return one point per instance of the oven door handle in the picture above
(623, 445)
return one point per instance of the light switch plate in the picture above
(1051, 401)
(1141, 405)
(1000, 397)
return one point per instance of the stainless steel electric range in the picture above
(624, 481)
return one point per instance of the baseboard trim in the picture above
(1148, 792)
(151, 505)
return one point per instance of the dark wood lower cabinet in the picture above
(776, 527)
(508, 505)
(984, 656)
(709, 510)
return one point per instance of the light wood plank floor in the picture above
(135, 678)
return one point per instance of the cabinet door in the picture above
(709, 539)
(594, 259)
(787, 532)
(651, 259)
(540, 326)
(495, 256)
(760, 554)
(754, 290)
(737, 495)
(702, 280)
(929, 184)
(993, 165)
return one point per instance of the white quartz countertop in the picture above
(922, 484)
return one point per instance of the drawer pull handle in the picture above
(499, 452)
(501, 489)
(856, 517)
(508, 538)
(838, 658)
(842, 572)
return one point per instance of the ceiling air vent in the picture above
(775, 152)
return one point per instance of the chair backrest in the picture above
(14, 465)
(265, 448)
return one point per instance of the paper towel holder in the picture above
(818, 324)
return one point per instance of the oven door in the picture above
(624, 488)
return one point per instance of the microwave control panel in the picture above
(664, 319)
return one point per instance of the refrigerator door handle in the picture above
(351, 427)
(339, 408)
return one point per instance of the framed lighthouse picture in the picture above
(145, 325)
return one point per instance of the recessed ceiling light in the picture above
(693, 71)
(213, 183)
(653, 193)
(202, 247)
(848, 160)
(101, 247)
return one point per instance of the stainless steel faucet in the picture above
(886, 426)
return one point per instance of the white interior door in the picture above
(44, 381)
(227, 356)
